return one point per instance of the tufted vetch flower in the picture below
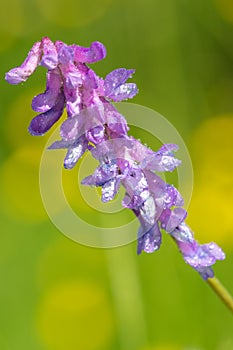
(94, 124)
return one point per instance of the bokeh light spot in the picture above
(210, 212)
(19, 186)
(72, 13)
(225, 7)
(76, 315)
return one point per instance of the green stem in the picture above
(221, 292)
(127, 295)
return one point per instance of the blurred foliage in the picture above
(56, 294)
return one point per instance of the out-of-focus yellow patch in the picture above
(210, 212)
(210, 215)
(19, 185)
(225, 7)
(76, 315)
(72, 13)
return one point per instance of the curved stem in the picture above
(221, 292)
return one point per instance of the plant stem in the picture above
(221, 292)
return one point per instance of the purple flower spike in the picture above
(19, 74)
(115, 87)
(94, 124)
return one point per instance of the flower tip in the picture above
(12, 77)
(33, 131)
(99, 49)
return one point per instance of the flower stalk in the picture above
(221, 292)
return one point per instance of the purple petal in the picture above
(115, 87)
(116, 125)
(89, 181)
(92, 80)
(178, 215)
(162, 160)
(50, 58)
(60, 144)
(73, 78)
(170, 219)
(43, 102)
(103, 174)
(19, 74)
(149, 241)
(168, 148)
(96, 135)
(135, 183)
(94, 53)
(204, 255)
(124, 92)
(172, 197)
(183, 233)
(135, 201)
(43, 122)
(115, 79)
(157, 186)
(72, 75)
(65, 53)
(200, 257)
(109, 190)
(147, 212)
(73, 102)
(70, 129)
(75, 152)
(164, 217)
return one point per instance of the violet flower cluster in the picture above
(94, 124)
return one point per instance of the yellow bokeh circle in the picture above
(210, 211)
(225, 7)
(76, 315)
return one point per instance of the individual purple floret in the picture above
(200, 256)
(94, 124)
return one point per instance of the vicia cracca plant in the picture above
(94, 124)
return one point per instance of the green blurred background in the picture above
(58, 295)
